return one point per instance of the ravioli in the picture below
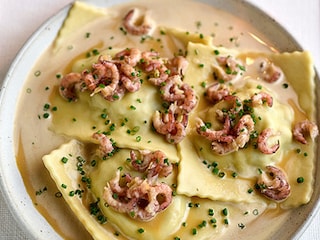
(224, 185)
(247, 162)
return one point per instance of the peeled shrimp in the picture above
(106, 146)
(273, 184)
(177, 65)
(130, 56)
(216, 92)
(270, 72)
(131, 25)
(263, 139)
(68, 85)
(261, 98)
(153, 163)
(227, 70)
(243, 130)
(304, 128)
(141, 199)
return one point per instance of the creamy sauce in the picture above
(34, 139)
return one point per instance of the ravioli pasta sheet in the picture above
(217, 166)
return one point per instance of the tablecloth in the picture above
(19, 19)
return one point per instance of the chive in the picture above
(140, 230)
(213, 220)
(285, 85)
(216, 52)
(64, 160)
(210, 212)
(194, 231)
(37, 73)
(300, 180)
(46, 115)
(71, 193)
(133, 107)
(103, 115)
(63, 186)
(224, 212)
(95, 52)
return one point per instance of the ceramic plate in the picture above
(12, 185)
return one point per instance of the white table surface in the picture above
(20, 18)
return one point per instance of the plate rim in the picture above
(43, 29)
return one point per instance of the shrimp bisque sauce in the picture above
(142, 126)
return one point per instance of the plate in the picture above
(11, 182)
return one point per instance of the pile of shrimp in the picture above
(239, 123)
(113, 77)
(141, 198)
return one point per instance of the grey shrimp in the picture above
(154, 164)
(270, 72)
(216, 92)
(261, 98)
(262, 141)
(141, 199)
(130, 25)
(273, 184)
(228, 69)
(243, 130)
(68, 86)
(106, 145)
(304, 128)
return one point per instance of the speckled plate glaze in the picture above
(11, 181)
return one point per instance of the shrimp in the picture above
(263, 139)
(243, 130)
(174, 90)
(228, 69)
(132, 85)
(119, 183)
(188, 103)
(270, 72)
(130, 24)
(68, 85)
(140, 198)
(108, 77)
(130, 56)
(90, 82)
(261, 98)
(129, 78)
(236, 103)
(177, 134)
(178, 65)
(223, 148)
(153, 163)
(170, 90)
(304, 128)
(171, 124)
(106, 145)
(150, 198)
(163, 122)
(214, 135)
(216, 92)
(222, 142)
(117, 94)
(273, 184)
(160, 74)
